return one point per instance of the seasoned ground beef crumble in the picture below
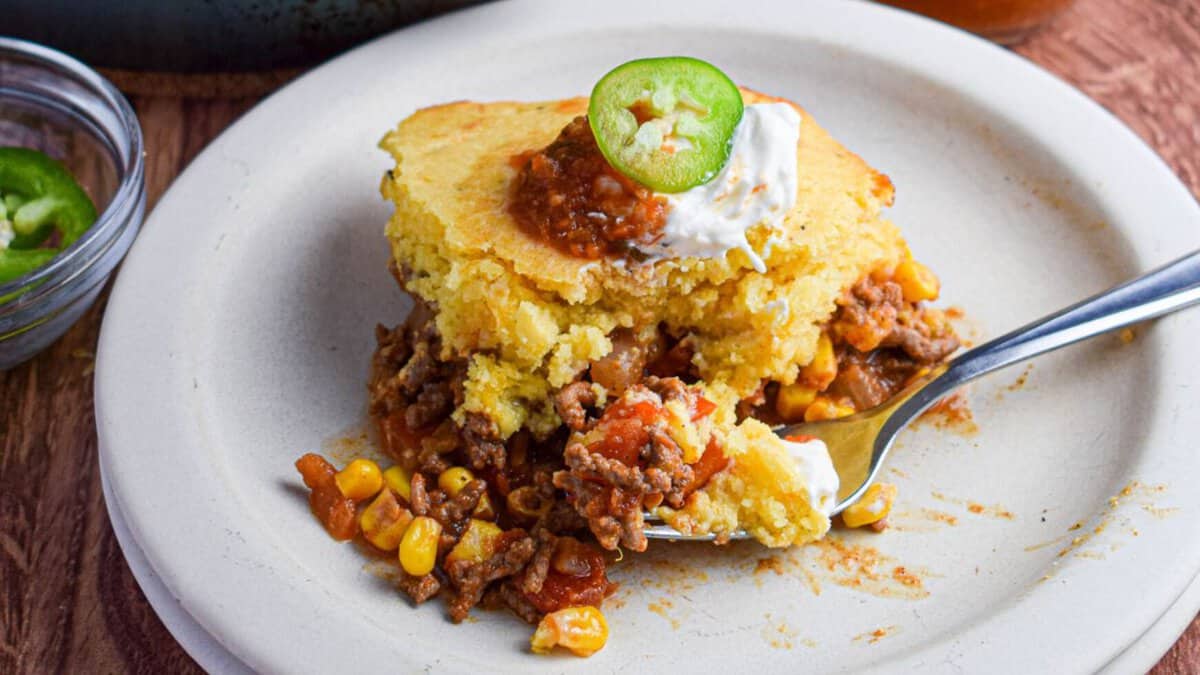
(553, 496)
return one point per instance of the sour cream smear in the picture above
(757, 185)
(822, 482)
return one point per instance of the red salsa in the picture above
(568, 195)
(576, 577)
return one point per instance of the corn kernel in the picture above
(825, 408)
(419, 546)
(872, 507)
(361, 479)
(683, 431)
(792, 400)
(399, 481)
(527, 503)
(478, 542)
(454, 479)
(383, 522)
(582, 630)
(484, 509)
(823, 368)
(916, 281)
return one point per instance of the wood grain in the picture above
(68, 602)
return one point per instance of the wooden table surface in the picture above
(68, 602)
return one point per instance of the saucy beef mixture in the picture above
(539, 516)
(567, 194)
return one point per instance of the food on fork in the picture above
(615, 298)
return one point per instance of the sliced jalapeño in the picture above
(668, 122)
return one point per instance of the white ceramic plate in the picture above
(239, 331)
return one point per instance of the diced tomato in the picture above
(711, 462)
(702, 408)
(328, 504)
(623, 441)
(589, 586)
(646, 411)
(624, 428)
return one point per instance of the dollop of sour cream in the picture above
(757, 184)
(815, 464)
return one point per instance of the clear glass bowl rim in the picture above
(73, 262)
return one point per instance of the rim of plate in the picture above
(150, 350)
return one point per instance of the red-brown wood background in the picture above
(67, 600)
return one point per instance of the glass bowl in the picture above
(53, 103)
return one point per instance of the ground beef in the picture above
(867, 313)
(454, 512)
(434, 403)
(615, 472)
(539, 565)
(603, 486)
(421, 369)
(418, 497)
(508, 594)
(420, 589)
(571, 404)
(636, 466)
(563, 518)
(482, 442)
(430, 461)
(471, 579)
(874, 314)
(863, 386)
(669, 389)
(666, 460)
(393, 350)
(882, 342)
(611, 516)
(920, 344)
(413, 392)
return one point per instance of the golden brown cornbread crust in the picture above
(531, 318)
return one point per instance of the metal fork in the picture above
(859, 443)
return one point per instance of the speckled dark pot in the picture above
(210, 35)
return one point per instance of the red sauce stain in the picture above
(1022, 379)
(769, 565)
(876, 635)
(952, 413)
(865, 568)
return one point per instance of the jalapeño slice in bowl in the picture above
(43, 210)
(667, 123)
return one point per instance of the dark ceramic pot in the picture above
(191, 36)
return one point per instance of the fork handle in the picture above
(1167, 289)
